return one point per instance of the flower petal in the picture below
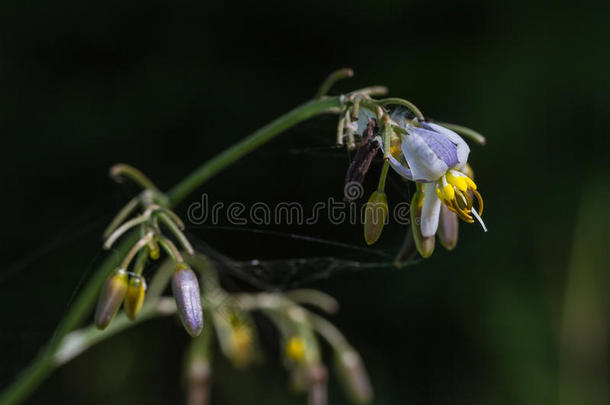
(428, 153)
(430, 211)
(463, 150)
(364, 114)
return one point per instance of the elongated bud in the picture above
(375, 215)
(111, 298)
(242, 346)
(353, 375)
(188, 299)
(407, 251)
(317, 393)
(134, 299)
(448, 226)
(425, 246)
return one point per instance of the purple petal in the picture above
(439, 144)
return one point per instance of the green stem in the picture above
(333, 78)
(248, 144)
(43, 365)
(134, 174)
(384, 174)
(404, 103)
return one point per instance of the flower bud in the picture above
(242, 345)
(353, 375)
(295, 349)
(317, 393)
(188, 299)
(153, 250)
(134, 299)
(111, 298)
(447, 228)
(425, 246)
(375, 215)
(407, 251)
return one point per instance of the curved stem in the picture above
(314, 297)
(404, 103)
(43, 365)
(248, 144)
(333, 78)
(134, 174)
(80, 340)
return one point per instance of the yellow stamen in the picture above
(457, 181)
(471, 184)
(448, 192)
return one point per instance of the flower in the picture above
(437, 157)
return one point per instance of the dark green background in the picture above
(167, 86)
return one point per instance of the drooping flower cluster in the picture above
(433, 156)
(227, 314)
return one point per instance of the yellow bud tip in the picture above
(153, 250)
(134, 299)
(295, 349)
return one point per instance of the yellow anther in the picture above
(395, 151)
(439, 193)
(458, 181)
(448, 192)
(295, 349)
(471, 184)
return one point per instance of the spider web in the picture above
(264, 274)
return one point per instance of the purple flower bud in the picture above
(188, 300)
(448, 228)
(111, 298)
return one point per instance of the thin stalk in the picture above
(248, 144)
(333, 78)
(177, 232)
(121, 216)
(42, 365)
(80, 340)
(314, 297)
(404, 103)
(134, 174)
